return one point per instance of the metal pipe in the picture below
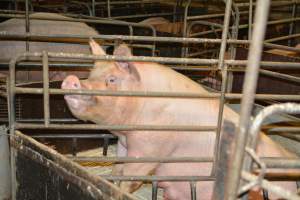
(27, 22)
(254, 57)
(271, 187)
(142, 159)
(292, 25)
(116, 127)
(283, 38)
(250, 20)
(154, 94)
(46, 89)
(280, 75)
(184, 32)
(5, 181)
(108, 9)
(225, 33)
(158, 178)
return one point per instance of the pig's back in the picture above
(9, 49)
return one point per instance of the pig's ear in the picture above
(128, 67)
(96, 48)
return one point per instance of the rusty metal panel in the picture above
(42, 173)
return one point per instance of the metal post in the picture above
(5, 179)
(186, 10)
(27, 23)
(250, 19)
(225, 33)
(46, 89)
(249, 87)
(292, 25)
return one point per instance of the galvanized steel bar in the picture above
(283, 38)
(250, 20)
(292, 163)
(142, 159)
(251, 76)
(20, 90)
(116, 127)
(280, 75)
(27, 22)
(271, 187)
(225, 33)
(158, 178)
(46, 89)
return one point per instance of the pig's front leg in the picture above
(121, 152)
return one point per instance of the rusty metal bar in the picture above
(46, 89)
(254, 57)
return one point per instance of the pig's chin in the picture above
(76, 103)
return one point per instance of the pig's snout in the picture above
(71, 82)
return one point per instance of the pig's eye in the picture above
(111, 80)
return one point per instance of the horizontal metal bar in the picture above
(142, 160)
(282, 162)
(115, 127)
(284, 129)
(280, 75)
(142, 15)
(22, 90)
(283, 38)
(71, 136)
(158, 178)
(271, 187)
(273, 4)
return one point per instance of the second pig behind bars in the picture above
(112, 110)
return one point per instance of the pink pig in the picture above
(141, 76)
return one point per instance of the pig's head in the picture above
(106, 75)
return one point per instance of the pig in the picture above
(9, 49)
(142, 76)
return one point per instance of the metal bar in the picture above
(5, 181)
(280, 75)
(142, 15)
(290, 108)
(142, 159)
(225, 33)
(250, 20)
(271, 187)
(184, 32)
(254, 57)
(193, 186)
(220, 117)
(273, 3)
(70, 136)
(292, 25)
(108, 9)
(115, 127)
(292, 163)
(154, 190)
(27, 22)
(158, 178)
(46, 89)
(155, 94)
(283, 38)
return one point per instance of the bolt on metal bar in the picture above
(254, 57)
(46, 89)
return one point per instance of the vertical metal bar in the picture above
(154, 190)
(292, 25)
(224, 161)
(74, 146)
(105, 146)
(220, 117)
(225, 33)
(5, 180)
(186, 10)
(46, 89)
(250, 19)
(93, 8)
(193, 185)
(249, 87)
(108, 9)
(27, 23)
(12, 118)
